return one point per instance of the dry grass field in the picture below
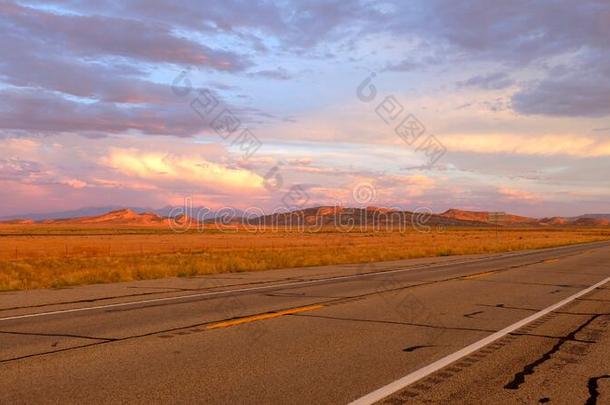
(41, 256)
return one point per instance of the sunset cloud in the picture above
(75, 183)
(544, 145)
(187, 169)
(520, 195)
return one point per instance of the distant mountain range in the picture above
(82, 212)
(488, 217)
(515, 220)
(97, 211)
(318, 216)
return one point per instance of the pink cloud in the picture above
(520, 195)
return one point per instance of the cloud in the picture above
(520, 195)
(542, 145)
(74, 183)
(406, 65)
(93, 80)
(18, 169)
(73, 72)
(277, 74)
(168, 168)
(125, 37)
(374, 190)
(522, 34)
(206, 15)
(406, 188)
(583, 91)
(50, 113)
(492, 81)
(517, 31)
(514, 32)
(578, 97)
(295, 25)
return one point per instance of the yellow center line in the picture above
(551, 261)
(261, 317)
(475, 276)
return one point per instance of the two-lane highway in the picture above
(331, 334)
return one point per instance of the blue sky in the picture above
(514, 95)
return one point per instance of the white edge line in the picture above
(417, 375)
(347, 277)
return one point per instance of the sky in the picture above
(425, 104)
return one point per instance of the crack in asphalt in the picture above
(592, 385)
(530, 368)
(552, 337)
(507, 307)
(299, 295)
(423, 325)
(414, 348)
(167, 289)
(537, 284)
(536, 310)
(593, 299)
(144, 294)
(472, 314)
(55, 335)
(555, 292)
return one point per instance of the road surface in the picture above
(523, 327)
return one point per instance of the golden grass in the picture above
(51, 256)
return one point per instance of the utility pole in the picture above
(496, 218)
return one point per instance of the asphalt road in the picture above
(442, 330)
